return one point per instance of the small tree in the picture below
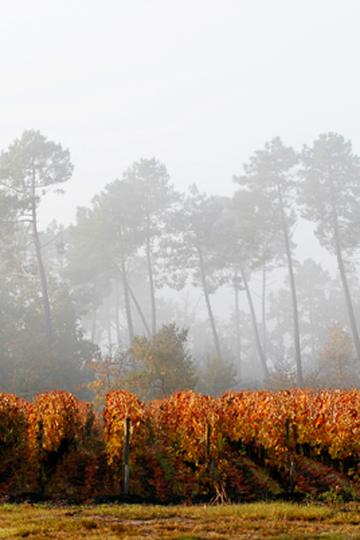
(337, 365)
(216, 376)
(164, 365)
(111, 373)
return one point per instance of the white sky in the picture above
(199, 84)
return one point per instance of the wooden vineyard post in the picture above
(126, 454)
(210, 461)
(207, 441)
(42, 478)
(291, 441)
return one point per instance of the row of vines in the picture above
(241, 446)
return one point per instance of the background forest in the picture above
(130, 295)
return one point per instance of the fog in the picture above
(151, 98)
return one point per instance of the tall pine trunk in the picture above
(93, 326)
(125, 288)
(312, 336)
(140, 311)
(263, 310)
(117, 307)
(42, 273)
(208, 303)
(297, 347)
(109, 333)
(237, 326)
(151, 278)
(262, 357)
(349, 304)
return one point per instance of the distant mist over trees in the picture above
(112, 301)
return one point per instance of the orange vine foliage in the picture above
(13, 442)
(61, 434)
(13, 419)
(119, 406)
(186, 439)
(323, 420)
(186, 446)
(54, 417)
(183, 418)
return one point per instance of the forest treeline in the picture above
(124, 297)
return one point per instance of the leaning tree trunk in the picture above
(208, 303)
(93, 326)
(125, 288)
(42, 273)
(237, 325)
(299, 373)
(108, 333)
(312, 336)
(254, 323)
(140, 311)
(151, 278)
(349, 305)
(263, 310)
(117, 307)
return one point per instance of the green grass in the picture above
(250, 521)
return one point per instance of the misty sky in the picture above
(199, 84)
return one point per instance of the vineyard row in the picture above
(241, 446)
